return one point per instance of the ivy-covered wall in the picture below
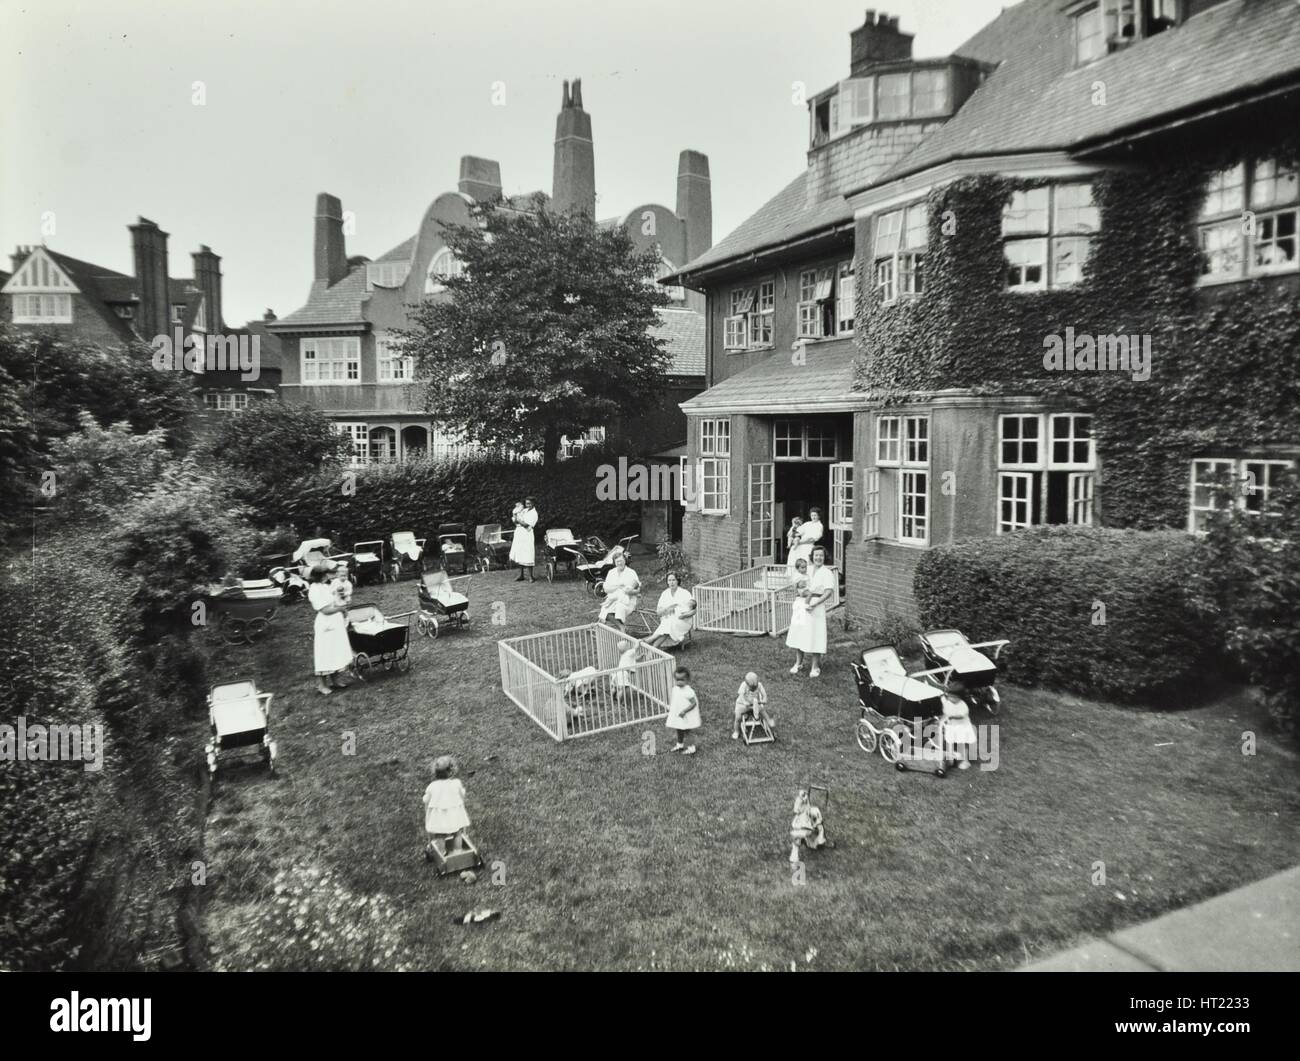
(1225, 372)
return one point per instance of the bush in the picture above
(98, 471)
(1100, 612)
(673, 558)
(272, 445)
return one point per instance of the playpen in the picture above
(757, 600)
(547, 676)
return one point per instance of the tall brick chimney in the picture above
(878, 40)
(480, 178)
(573, 183)
(331, 254)
(207, 278)
(149, 249)
(695, 202)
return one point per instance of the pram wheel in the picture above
(361, 666)
(257, 629)
(891, 748)
(938, 773)
(233, 631)
(428, 625)
(867, 740)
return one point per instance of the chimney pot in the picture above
(331, 256)
(877, 40)
(480, 178)
(573, 180)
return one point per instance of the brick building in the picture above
(850, 318)
(84, 302)
(338, 346)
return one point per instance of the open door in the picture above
(841, 523)
(761, 516)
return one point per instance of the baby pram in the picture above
(903, 715)
(239, 717)
(453, 546)
(559, 546)
(368, 562)
(594, 565)
(970, 673)
(245, 609)
(441, 602)
(492, 546)
(405, 554)
(292, 576)
(378, 640)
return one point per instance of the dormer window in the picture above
(924, 92)
(178, 313)
(387, 274)
(1102, 27)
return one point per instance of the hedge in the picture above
(351, 505)
(1101, 612)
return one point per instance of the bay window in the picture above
(1046, 470)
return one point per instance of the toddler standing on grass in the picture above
(751, 698)
(683, 710)
(445, 816)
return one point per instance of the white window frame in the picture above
(761, 513)
(342, 350)
(1080, 498)
(391, 443)
(871, 504)
(42, 308)
(385, 361)
(1236, 220)
(443, 266)
(845, 301)
(805, 434)
(1015, 489)
(889, 444)
(841, 506)
(898, 249)
(1080, 483)
(808, 322)
(389, 274)
(358, 432)
(762, 319)
(1244, 488)
(908, 477)
(1071, 438)
(714, 489)
(1035, 233)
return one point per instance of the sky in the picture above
(376, 102)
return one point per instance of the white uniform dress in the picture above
(683, 708)
(677, 623)
(523, 550)
(444, 807)
(622, 593)
(810, 635)
(809, 535)
(333, 651)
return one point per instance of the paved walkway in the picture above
(1255, 928)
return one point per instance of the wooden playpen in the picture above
(565, 680)
(757, 600)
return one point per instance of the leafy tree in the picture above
(1249, 585)
(547, 331)
(98, 471)
(272, 444)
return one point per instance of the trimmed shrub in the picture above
(1100, 612)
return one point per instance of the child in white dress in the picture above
(445, 817)
(621, 681)
(683, 710)
(751, 699)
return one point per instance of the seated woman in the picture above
(622, 591)
(676, 611)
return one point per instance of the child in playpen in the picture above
(445, 817)
(683, 710)
(806, 828)
(621, 680)
(751, 699)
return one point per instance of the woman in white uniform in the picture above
(812, 637)
(622, 591)
(523, 550)
(333, 651)
(676, 610)
(805, 537)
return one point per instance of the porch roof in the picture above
(823, 383)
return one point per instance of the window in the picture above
(124, 311)
(1237, 242)
(845, 297)
(929, 93)
(795, 440)
(871, 504)
(42, 309)
(444, 266)
(178, 313)
(383, 445)
(888, 440)
(826, 301)
(225, 403)
(902, 479)
(715, 466)
(912, 94)
(1059, 223)
(916, 440)
(1111, 24)
(387, 274)
(760, 321)
(330, 360)
(894, 96)
(748, 325)
(842, 496)
(809, 313)
(899, 249)
(1221, 483)
(913, 508)
(1089, 40)
(394, 367)
(1046, 470)
(359, 435)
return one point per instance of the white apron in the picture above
(809, 535)
(333, 651)
(622, 592)
(673, 625)
(522, 549)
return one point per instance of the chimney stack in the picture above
(269, 315)
(695, 202)
(331, 256)
(149, 249)
(877, 40)
(573, 183)
(207, 278)
(480, 178)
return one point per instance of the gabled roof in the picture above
(1038, 100)
(785, 216)
(339, 304)
(683, 333)
(822, 383)
(100, 288)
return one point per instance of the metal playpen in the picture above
(571, 682)
(755, 601)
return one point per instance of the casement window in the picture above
(810, 318)
(841, 513)
(845, 297)
(42, 309)
(358, 434)
(798, 440)
(1047, 235)
(748, 324)
(903, 457)
(871, 504)
(714, 488)
(1103, 27)
(1222, 483)
(394, 367)
(225, 403)
(760, 320)
(178, 313)
(383, 445)
(912, 94)
(1249, 220)
(899, 251)
(387, 274)
(444, 266)
(1046, 470)
(826, 301)
(330, 360)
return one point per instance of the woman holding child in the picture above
(813, 590)
(330, 598)
(676, 610)
(622, 591)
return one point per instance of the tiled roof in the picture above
(1039, 100)
(683, 333)
(823, 382)
(785, 216)
(340, 304)
(99, 286)
(400, 253)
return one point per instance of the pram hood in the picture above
(404, 542)
(558, 537)
(312, 545)
(952, 648)
(436, 585)
(886, 672)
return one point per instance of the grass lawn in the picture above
(615, 859)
